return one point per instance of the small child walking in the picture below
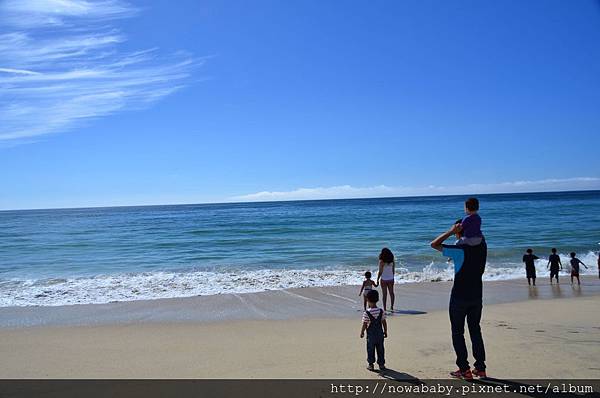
(375, 325)
(367, 286)
(575, 267)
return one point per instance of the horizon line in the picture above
(301, 200)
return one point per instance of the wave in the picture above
(104, 289)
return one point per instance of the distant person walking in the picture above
(598, 264)
(575, 267)
(529, 260)
(385, 276)
(465, 300)
(555, 265)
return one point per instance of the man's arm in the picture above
(437, 242)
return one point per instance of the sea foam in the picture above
(156, 285)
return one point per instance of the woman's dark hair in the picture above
(529, 251)
(386, 255)
(368, 275)
(553, 250)
(573, 254)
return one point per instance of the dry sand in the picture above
(550, 338)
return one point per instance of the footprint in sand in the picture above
(540, 331)
(573, 331)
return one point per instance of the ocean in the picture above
(101, 255)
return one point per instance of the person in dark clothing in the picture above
(575, 267)
(555, 265)
(375, 325)
(465, 300)
(529, 260)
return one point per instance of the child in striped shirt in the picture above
(375, 325)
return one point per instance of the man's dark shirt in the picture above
(554, 262)
(469, 265)
(529, 260)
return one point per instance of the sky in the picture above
(106, 103)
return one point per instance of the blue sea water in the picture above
(98, 255)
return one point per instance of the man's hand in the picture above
(362, 334)
(437, 242)
(385, 335)
(455, 228)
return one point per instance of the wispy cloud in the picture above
(61, 63)
(348, 191)
(36, 13)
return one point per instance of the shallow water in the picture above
(54, 257)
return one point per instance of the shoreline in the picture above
(337, 302)
(147, 286)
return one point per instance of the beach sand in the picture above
(540, 335)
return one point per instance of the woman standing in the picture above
(387, 268)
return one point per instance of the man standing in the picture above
(465, 300)
(529, 260)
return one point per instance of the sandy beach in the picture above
(546, 332)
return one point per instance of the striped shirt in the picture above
(374, 313)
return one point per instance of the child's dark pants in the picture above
(375, 340)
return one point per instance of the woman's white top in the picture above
(388, 272)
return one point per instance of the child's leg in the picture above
(370, 351)
(364, 302)
(380, 353)
(533, 281)
(578, 281)
(529, 281)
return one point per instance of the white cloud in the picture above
(61, 63)
(349, 192)
(59, 12)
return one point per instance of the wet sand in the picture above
(305, 303)
(305, 333)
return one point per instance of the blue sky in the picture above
(122, 103)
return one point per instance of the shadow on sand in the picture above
(392, 374)
(408, 312)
